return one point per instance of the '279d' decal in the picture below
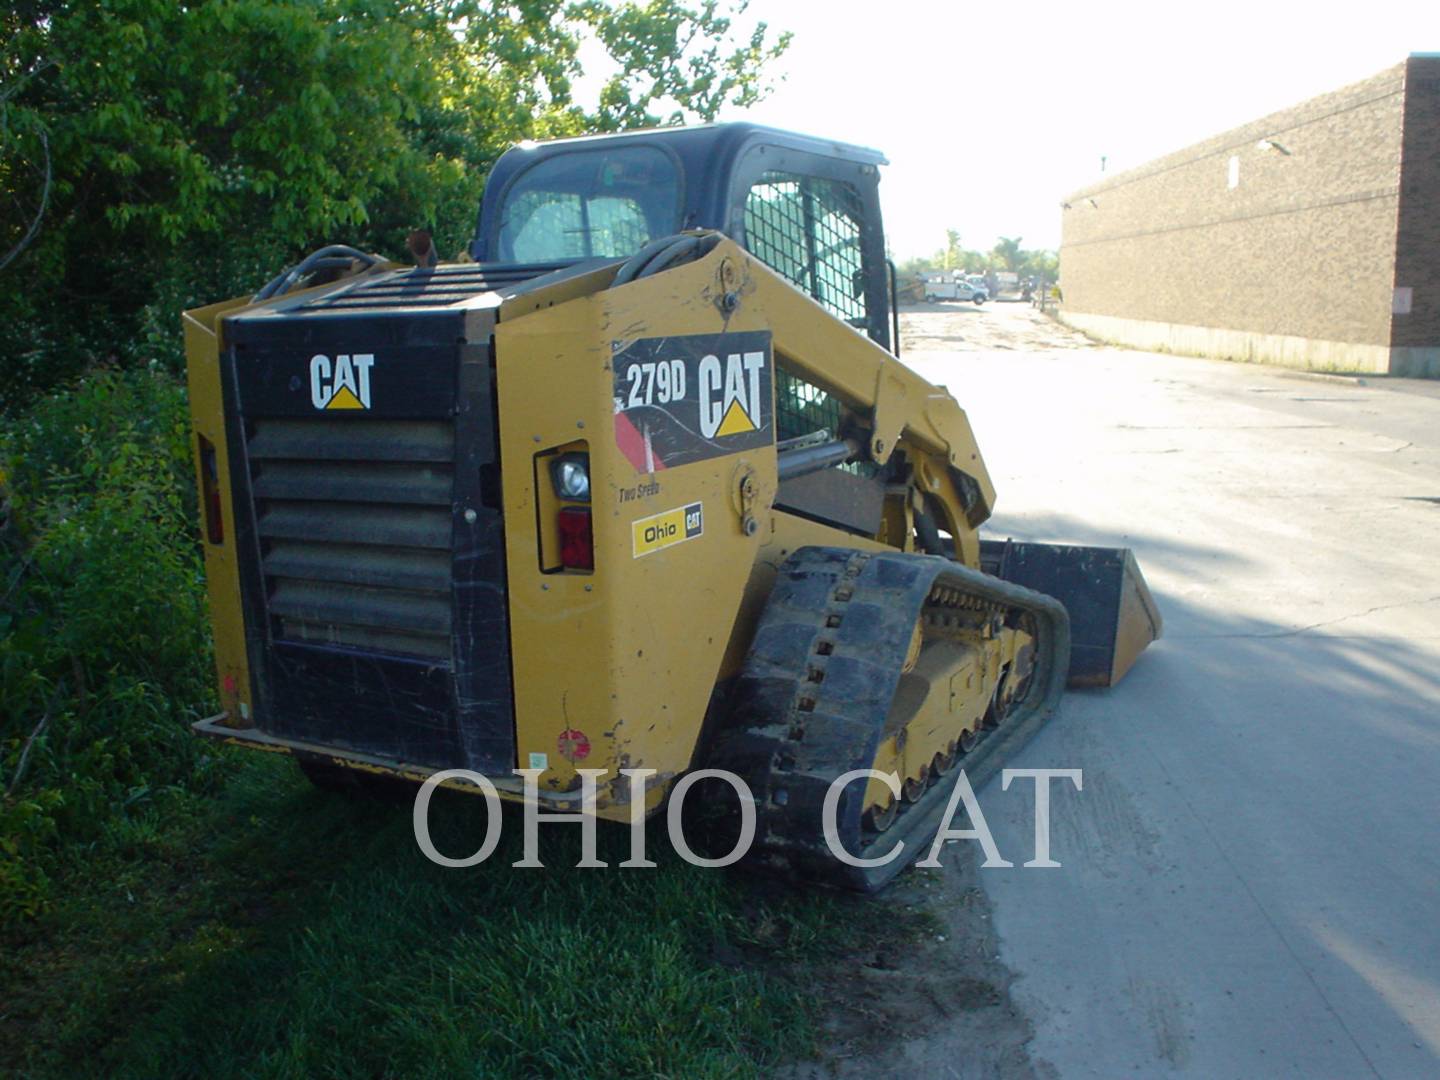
(684, 399)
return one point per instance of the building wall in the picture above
(1415, 334)
(1284, 252)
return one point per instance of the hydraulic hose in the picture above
(661, 254)
(928, 533)
(326, 256)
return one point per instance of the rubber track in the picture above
(811, 701)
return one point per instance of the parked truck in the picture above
(952, 285)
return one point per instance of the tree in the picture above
(193, 149)
(679, 58)
(1006, 255)
(1009, 255)
(1042, 264)
(953, 257)
(1007, 252)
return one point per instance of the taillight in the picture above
(577, 543)
(563, 521)
(210, 492)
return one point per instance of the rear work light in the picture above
(570, 473)
(577, 543)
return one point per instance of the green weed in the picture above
(280, 931)
(104, 649)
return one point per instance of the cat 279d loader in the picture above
(644, 485)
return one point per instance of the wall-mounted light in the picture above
(1271, 144)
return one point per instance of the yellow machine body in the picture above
(630, 654)
(704, 590)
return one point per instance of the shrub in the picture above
(104, 653)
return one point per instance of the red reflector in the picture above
(577, 545)
(573, 745)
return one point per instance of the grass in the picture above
(169, 908)
(277, 931)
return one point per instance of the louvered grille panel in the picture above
(338, 481)
(355, 529)
(353, 440)
(360, 564)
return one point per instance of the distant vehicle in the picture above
(1004, 283)
(940, 287)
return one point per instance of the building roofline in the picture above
(1269, 125)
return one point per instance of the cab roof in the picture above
(706, 157)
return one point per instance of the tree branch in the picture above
(15, 87)
(30, 742)
(34, 229)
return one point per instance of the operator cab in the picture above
(808, 208)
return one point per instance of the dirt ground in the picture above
(942, 1008)
(959, 328)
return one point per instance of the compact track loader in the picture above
(644, 485)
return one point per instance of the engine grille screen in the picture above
(354, 523)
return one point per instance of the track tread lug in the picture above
(851, 615)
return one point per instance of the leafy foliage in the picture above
(155, 156)
(103, 647)
(175, 154)
(1007, 254)
(676, 56)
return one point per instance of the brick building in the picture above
(1309, 238)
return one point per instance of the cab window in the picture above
(589, 203)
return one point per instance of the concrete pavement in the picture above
(1251, 875)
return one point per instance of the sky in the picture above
(990, 112)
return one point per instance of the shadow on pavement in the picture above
(1257, 826)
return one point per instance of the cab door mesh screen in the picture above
(807, 229)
